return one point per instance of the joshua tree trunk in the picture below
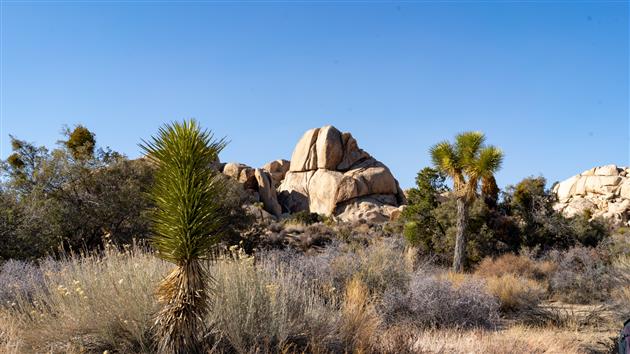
(184, 297)
(460, 238)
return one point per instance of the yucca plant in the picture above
(187, 222)
(467, 162)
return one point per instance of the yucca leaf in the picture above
(188, 219)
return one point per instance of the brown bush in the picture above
(515, 294)
(517, 265)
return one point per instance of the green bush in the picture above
(304, 217)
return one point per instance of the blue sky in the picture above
(546, 81)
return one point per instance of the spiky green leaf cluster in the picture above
(188, 219)
(467, 161)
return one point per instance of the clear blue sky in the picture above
(546, 81)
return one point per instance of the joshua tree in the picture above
(187, 223)
(467, 161)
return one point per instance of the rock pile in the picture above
(328, 174)
(601, 191)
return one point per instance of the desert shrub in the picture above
(97, 302)
(266, 306)
(515, 294)
(19, 279)
(379, 266)
(314, 235)
(618, 244)
(432, 302)
(540, 226)
(583, 276)
(518, 265)
(304, 217)
(621, 292)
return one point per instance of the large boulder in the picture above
(277, 169)
(329, 174)
(374, 208)
(328, 148)
(304, 156)
(600, 192)
(233, 169)
(267, 192)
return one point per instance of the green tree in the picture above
(543, 228)
(50, 199)
(467, 161)
(421, 227)
(187, 223)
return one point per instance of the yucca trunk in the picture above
(460, 237)
(184, 297)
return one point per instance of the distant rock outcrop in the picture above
(329, 173)
(601, 191)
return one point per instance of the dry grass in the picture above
(517, 339)
(92, 302)
(515, 293)
(9, 337)
(358, 317)
(517, 265)
(262, 307)
(621, 294)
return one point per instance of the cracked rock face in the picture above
(329, 174)
(601, 191)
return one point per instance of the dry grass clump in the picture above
(621, 294)
(9, 337)
(515, 294)
(266, 307)
(518, 265)
(517, 339)
(359, 321)
(94, 302)
(379, 266)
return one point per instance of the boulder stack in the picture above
(329, 174)
(601, 191)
